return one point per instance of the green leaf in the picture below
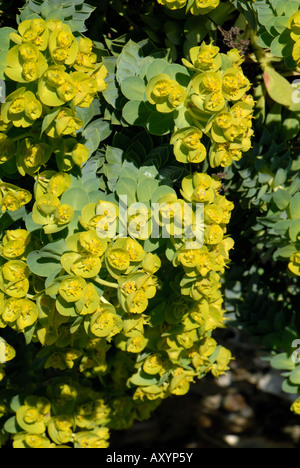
(128, 62)
(282, 361)
(294, 376)
(155, 68)
(43, 266)
(284, 252)
(76, 198)
(143, 379)
(126, 186)
(133, 88)
(136, 113)
(11, 426)
(94, 134)
(281, 45)
(278, 87)
(280, 177)
(145, 189)
(160, 124)
(294, 229)
(290, 128)
(295, 206)
(282, 198)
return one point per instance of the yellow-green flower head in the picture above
(86, 59)
(204, 58)
(99, 74)
(84, 265)
(296, 51)
(92, 244)
(14, 278)
(72, 288)
(166, 94)
(55, 87)
(295, 406)
(90, 218)
(92, 439)
(151, 263)
(222, 154)
(69, 153)
(80, 154)
(26, 440)
(201, 7)
(47, 204)
(89, 302)
(214, 213)
(136, 343)
(33, 32)
(63, 46)
(60, 428)
(86, 89)
(235, 84)
(15, 244)
(294, 264)
(15, 270)
(31, 156)
(7, 148)
(12, 197)
(59, 183)
(173, 4)
(105, 322)
(118, 259)
(34, 415)
(50, 213)
(206, 92)
(195, 261)
(235, 57)
(7, 353)
(123, 256)
(221, 364)
(29, 314)
(153, 364)
(213, 234)
(207, 288)
(136, 302)
(21, 108)
(66, 123)
(4, 127)
(63, 214)
(200, 188)
(188, 147)
(294, 24)
(25, 63)
(180, 383)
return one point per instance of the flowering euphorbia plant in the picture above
(115, 222)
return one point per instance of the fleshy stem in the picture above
(106, 283)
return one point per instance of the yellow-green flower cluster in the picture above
(7, 353)
(197, 7)
(54, 72)
(182, 348)
(215, 104)
(69, 416)
(294, 25)
(294, 263)
(12, 197)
